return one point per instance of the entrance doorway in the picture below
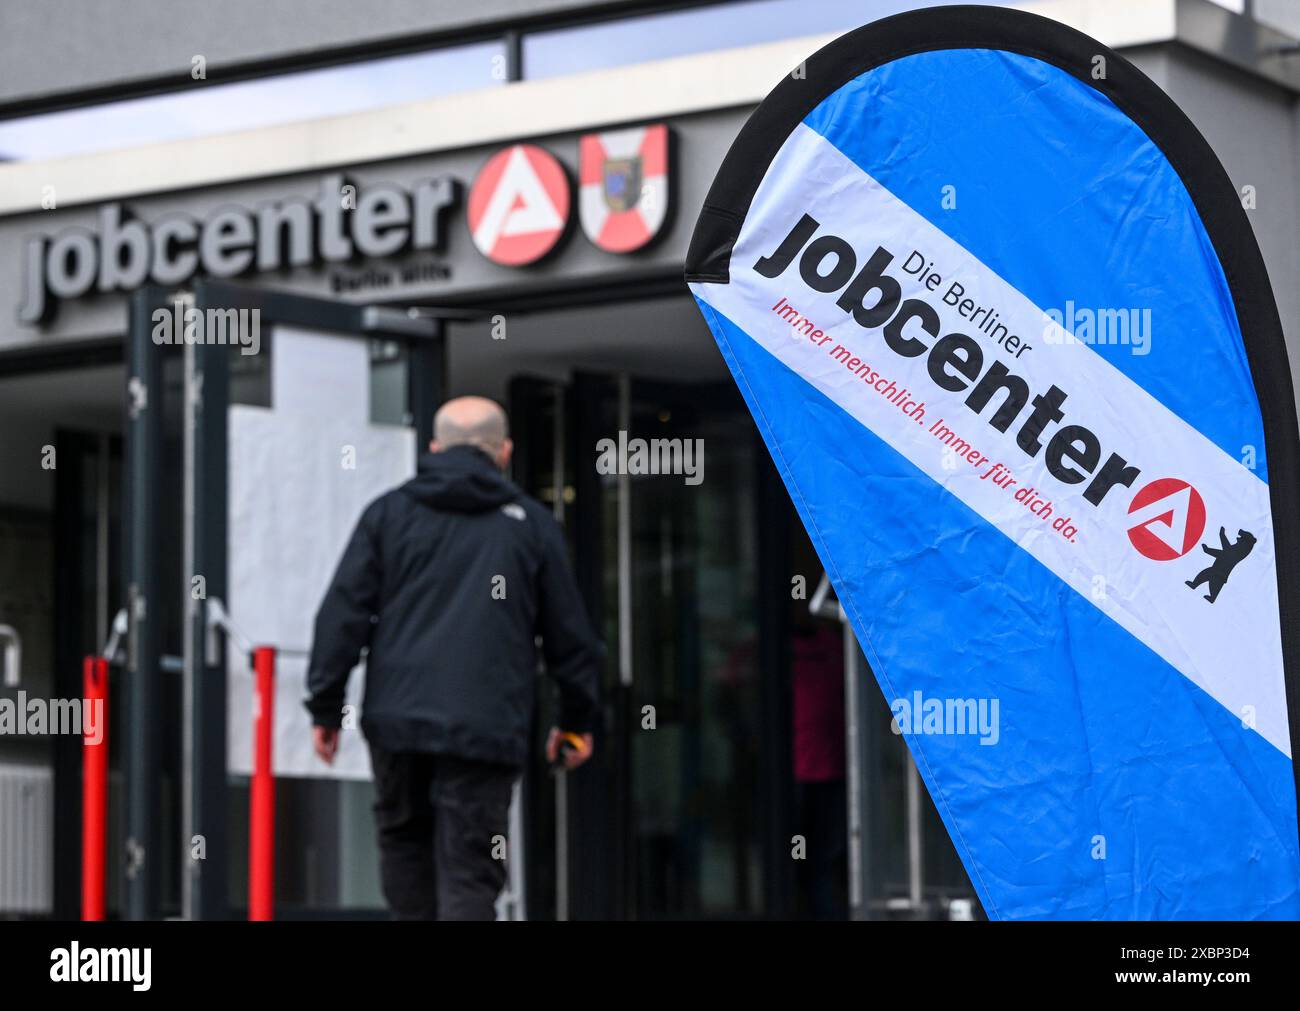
(258, 445)
(691, 806)
(700, 787)
(677, 816)
(60, 555)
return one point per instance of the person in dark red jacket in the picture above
(817, 680)
(447, 582)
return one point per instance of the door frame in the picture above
(71, 446)
(206, 396)
(601, 855)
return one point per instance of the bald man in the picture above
(448, 581)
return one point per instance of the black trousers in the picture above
(823, 820)
(442, 824)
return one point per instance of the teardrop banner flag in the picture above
(999, 314)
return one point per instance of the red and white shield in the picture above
(623, 196)
(519, 205)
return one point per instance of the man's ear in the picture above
(503, 455)
(434, 447)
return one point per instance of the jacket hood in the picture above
(460, 479)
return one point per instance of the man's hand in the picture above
(326, 742)
(574, 756)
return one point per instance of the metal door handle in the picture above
(13, 655)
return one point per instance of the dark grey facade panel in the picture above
(56, 49)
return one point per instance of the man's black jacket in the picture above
(448, 579)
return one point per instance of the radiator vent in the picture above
(26, 839)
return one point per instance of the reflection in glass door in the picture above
(690, 651)
(657, 488)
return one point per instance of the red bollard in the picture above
(94, 788)
(261, 794)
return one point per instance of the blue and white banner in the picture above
(999, 315)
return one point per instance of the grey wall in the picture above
(1254, 128)
(32, 407)
(53, 48)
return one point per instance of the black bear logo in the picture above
(1225, 560)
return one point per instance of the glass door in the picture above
(688, 572)
(251, 446)
(658, 485)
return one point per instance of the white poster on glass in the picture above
(301, 472)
